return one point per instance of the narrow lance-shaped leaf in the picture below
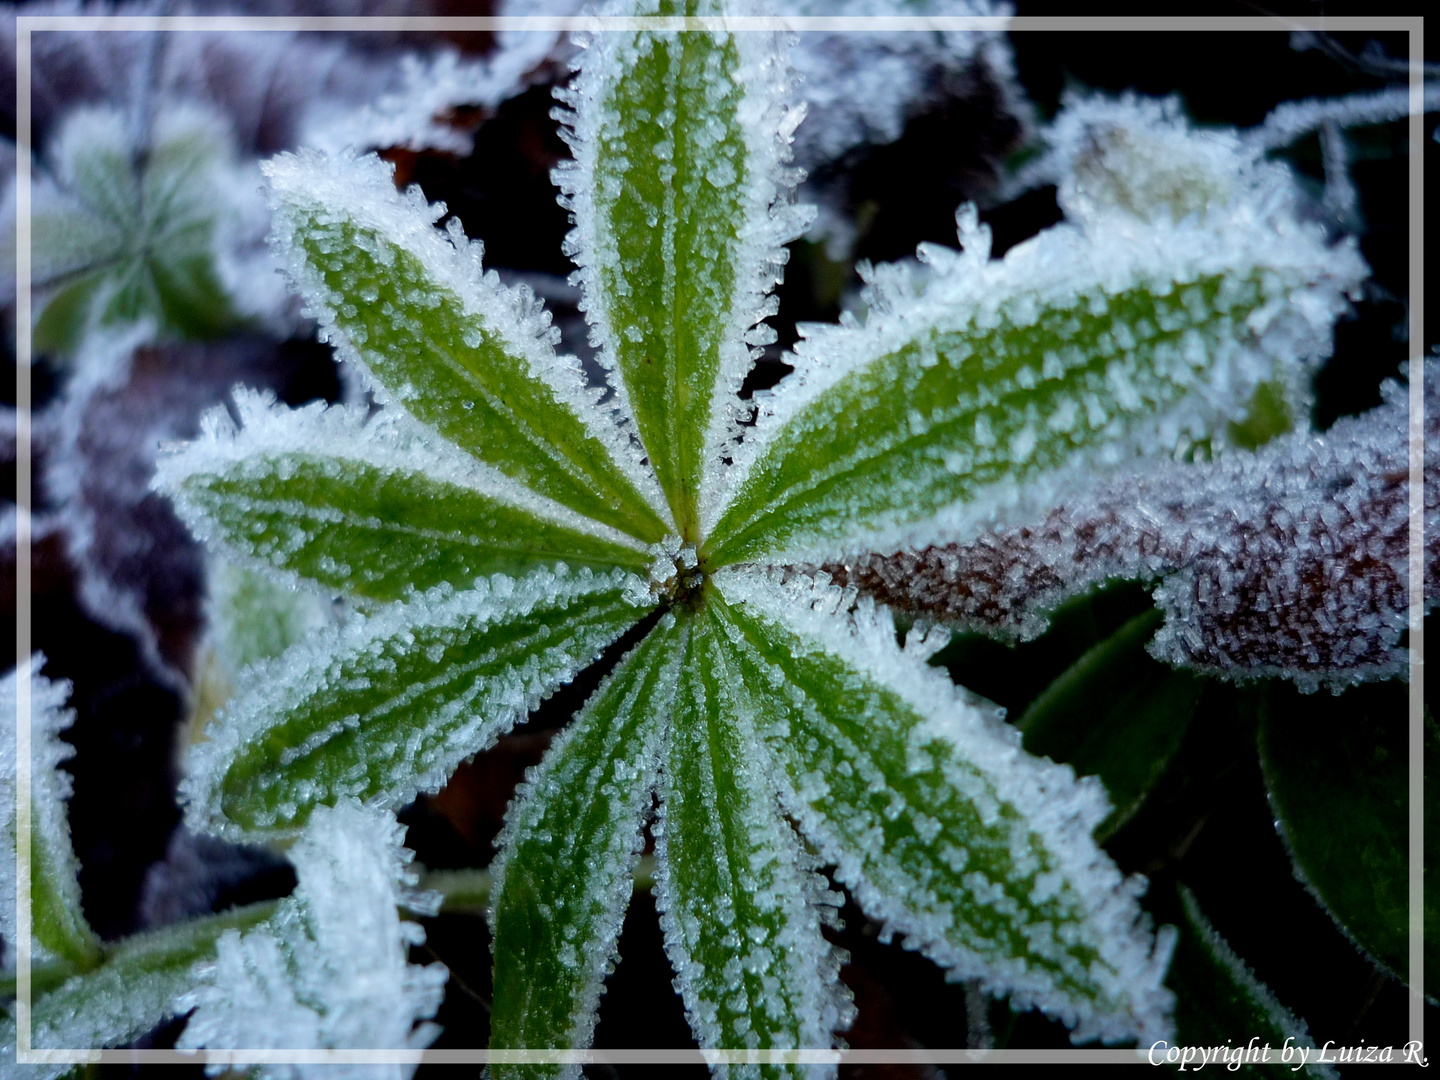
(578, 819)
(1337, 780)
(450, 344)
(939, 824)
(681, 206)
(58, 928)
(1009, 382)
(740, 901)
(372, 509)
(388, 705)
(1218, 995)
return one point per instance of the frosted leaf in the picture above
(1001, 384)
(1140, 156)
(681, 202)
(59, 931)
(328, 969)
(253, 617)
(250, 617)
(939, 824)
(1222, 973)
(740, 901)
(376, 507)
(128, 995)
(115, 242)
(139, 571)
(387, 705)
(420, 113)
(411, 307)
(265, 83)
(1289, 562)
(577, 818)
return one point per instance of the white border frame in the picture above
(26, 25)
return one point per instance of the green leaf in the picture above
(389, 705)
(939, 824)
(355, 507)
(130, 993)
(58, 928)
(578, 821)
(1117, 714)
(128, 232)
(1219, 999)
(740, 901)
(678, 145)
(57, 919)
(64, 318)
(1011, 381)
(1336, 774)
(455, 348)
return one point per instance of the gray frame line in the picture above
(25, 25)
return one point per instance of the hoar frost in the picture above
(329, 968)
(499, 523)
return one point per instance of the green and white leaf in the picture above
(329, 969)
(577, 819)
(940, 825)
(58, 928)
(1218, 996)
(377, 509)
(448, 343)
(1001, 384)
(132, 992)
(741, 902)
(388, 705)
(681, 205)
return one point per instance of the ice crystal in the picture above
(498, 522)
(1290, 562)
(422, 113)
(329, 968)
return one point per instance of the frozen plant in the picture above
(328, 968)
(499, 524)
(330, 959)
(139, 219)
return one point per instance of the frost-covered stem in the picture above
(43, 979)
(1292, 119)
(1289, 562)
(469, 890)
